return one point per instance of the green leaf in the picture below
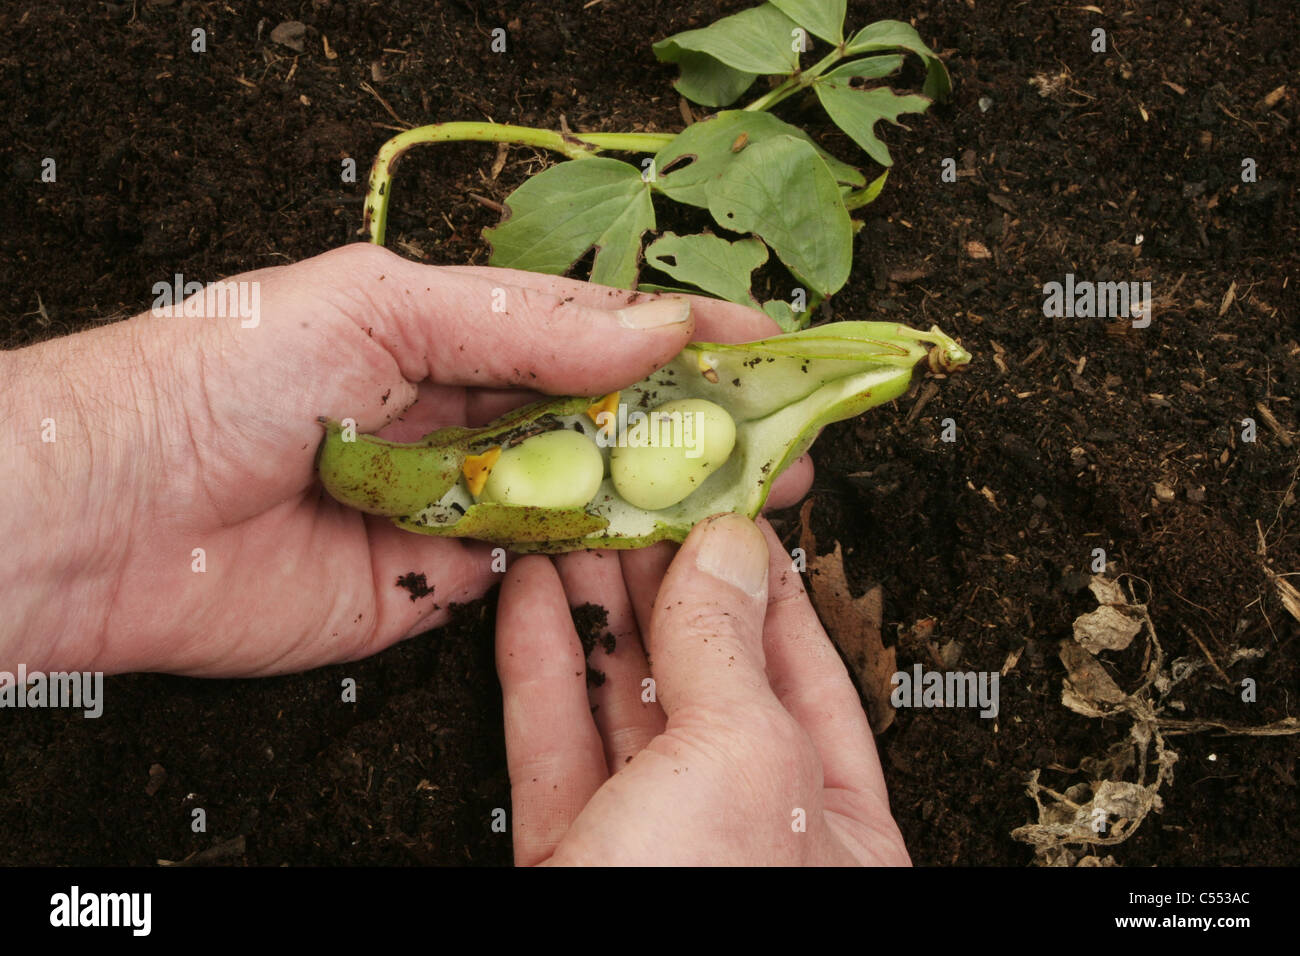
(822, 17)
(709, 82)
(713, 264)
(758, 40)
(867, 196)
(857, 112)
(784, 193)
(890, 34)
(710, 144)
(560, 213)
(868, 68)
(786, 317)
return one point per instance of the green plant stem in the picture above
(800, 81)
(570, 145)
(628, 142)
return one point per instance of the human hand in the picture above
(186, 433)
(756, 750)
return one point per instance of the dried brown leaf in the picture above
(1088, 678)
(853, 624)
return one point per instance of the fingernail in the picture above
(653, 315)
(732, 549)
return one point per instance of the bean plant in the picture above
(766, 183)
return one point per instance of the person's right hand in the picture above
(755, 750)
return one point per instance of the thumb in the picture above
(706, 629)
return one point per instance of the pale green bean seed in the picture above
(558, 469)
(661, 459)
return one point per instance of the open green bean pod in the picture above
(707, 433)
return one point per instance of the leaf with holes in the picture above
(562, 212)
(894, 34)
(745, 44)
(689, 167)
(707, 81)
(713, 264)
(856, 111)
(783, 192)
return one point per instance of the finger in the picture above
(465, 329)
(706, 631)
(626, 721)
(715, 320)
(643, 572)
(791, 485)
(810, 680)
(553, 751)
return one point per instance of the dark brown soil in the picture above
(218, 163)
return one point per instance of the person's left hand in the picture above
(189, 442)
